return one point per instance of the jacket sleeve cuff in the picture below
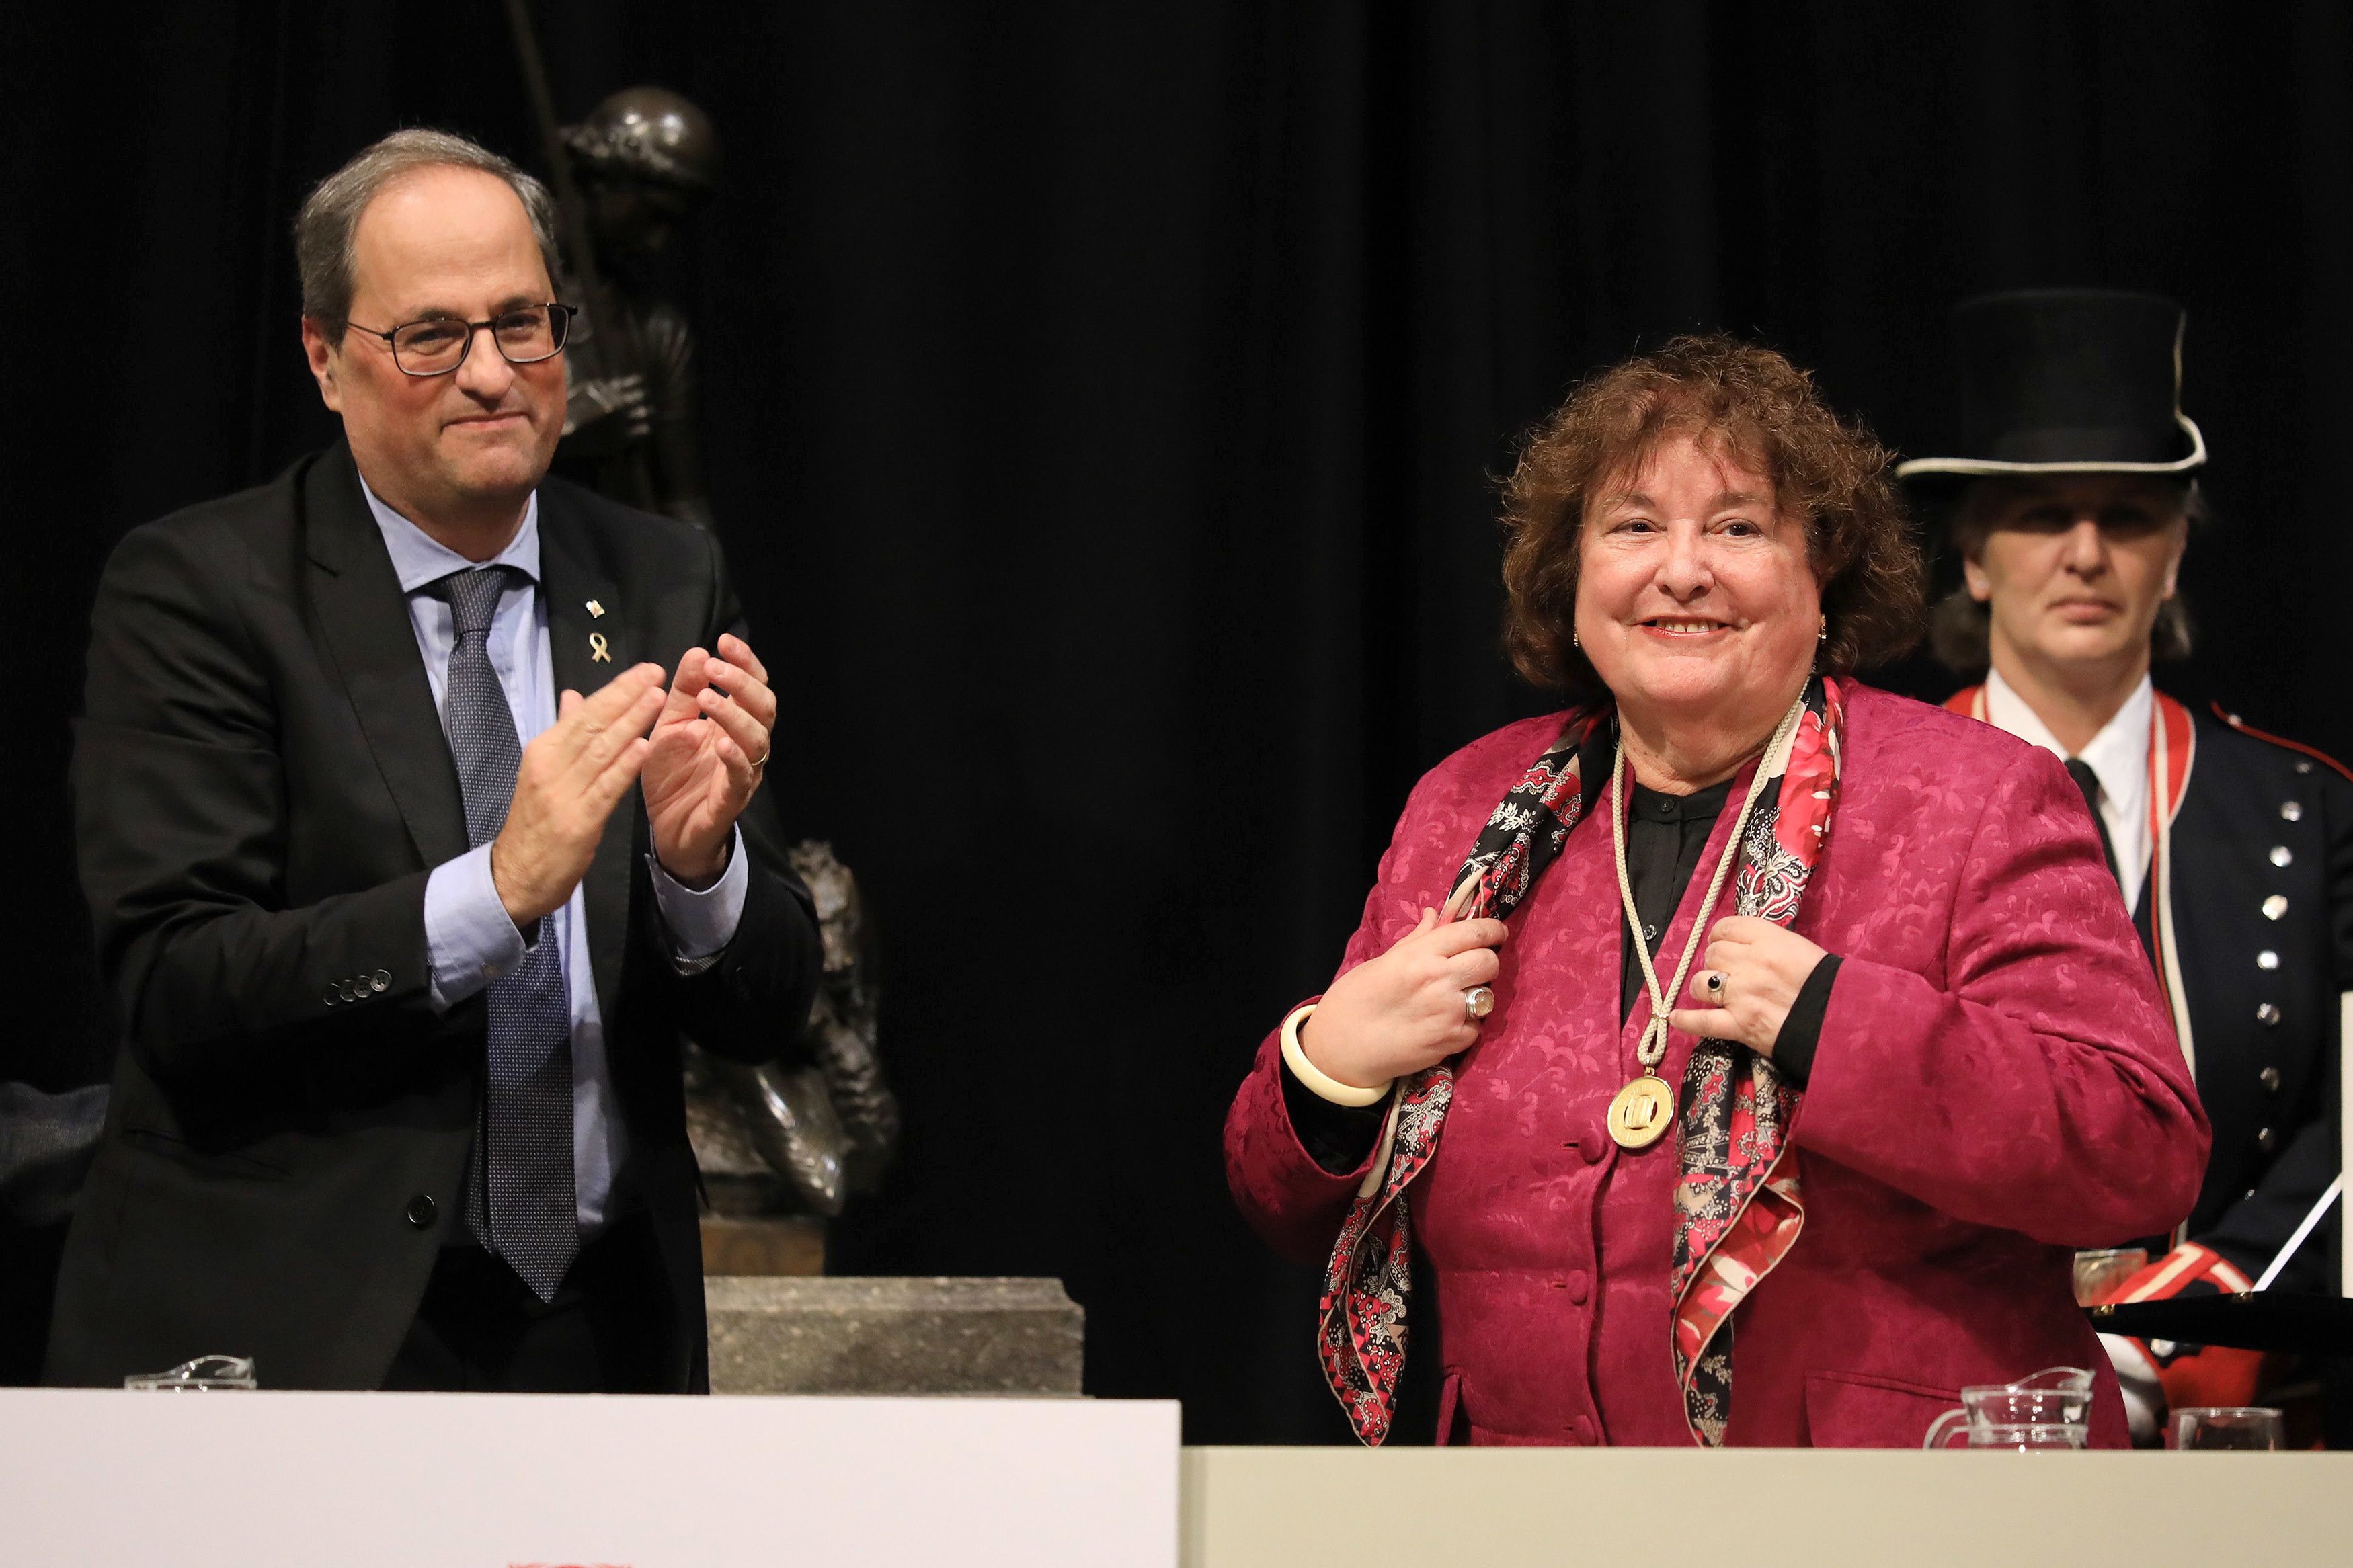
(1292, 1201)
(1338, 1135)
(470, 939)
(701, 921)
(1802, 1031)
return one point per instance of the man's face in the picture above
(451, 243)
(2075, 567)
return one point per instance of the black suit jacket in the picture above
(2266, 1036)
(261, 786)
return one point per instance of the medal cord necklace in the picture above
(1641, 1112)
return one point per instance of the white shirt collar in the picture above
(2118, 756)
(418, 558)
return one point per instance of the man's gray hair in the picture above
(329, 219)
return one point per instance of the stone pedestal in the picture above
(783, 1335)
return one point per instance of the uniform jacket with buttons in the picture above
(261, 787)
(2263, 912)
(1996, 1085)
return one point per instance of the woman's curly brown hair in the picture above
(1756, 407)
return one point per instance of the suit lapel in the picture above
(570, 580)
(363, 624)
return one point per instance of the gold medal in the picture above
(1641, 1114)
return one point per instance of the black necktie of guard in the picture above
(520, 1202)
(2089, 782)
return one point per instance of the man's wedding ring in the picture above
(1478, 1002)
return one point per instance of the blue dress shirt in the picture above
(469, 936)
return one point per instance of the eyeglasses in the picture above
(439, 346)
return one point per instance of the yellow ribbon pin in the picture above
(597, 651)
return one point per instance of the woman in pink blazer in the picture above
(1776, 1099)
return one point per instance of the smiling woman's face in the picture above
(1694, 598)
(2075, 567)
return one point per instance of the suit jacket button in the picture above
(2267, 959)
(329, 998)
(2276, 906)
(2291, 811)
(2266, 1140)
(421, 1210)
(2282, 856)
(2270, 1078)
(2267, 1013)
(379, 980)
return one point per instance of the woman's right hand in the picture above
(1403, 1011)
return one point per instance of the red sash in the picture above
(2172, 749)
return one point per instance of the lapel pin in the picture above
(596, 609)
(598, 652)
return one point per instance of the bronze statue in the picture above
(828, 1128)
(768, 1139)
(644, 160)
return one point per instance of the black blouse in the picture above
(1665, 835)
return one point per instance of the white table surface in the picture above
(255, 1479)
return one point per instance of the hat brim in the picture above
(1988, 467)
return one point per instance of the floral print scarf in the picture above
(1738, 1207)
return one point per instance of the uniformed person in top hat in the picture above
(2070, 496)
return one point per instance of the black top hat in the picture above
(2069, 381)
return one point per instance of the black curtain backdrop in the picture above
(1102, 404)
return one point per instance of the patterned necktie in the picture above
(2089, 782)
(520, 1204)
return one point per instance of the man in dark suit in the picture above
(410, 866)
(2072, 498)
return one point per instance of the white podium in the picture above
(1765, 1507)
(256, 1481)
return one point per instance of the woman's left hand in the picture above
(1763, 967)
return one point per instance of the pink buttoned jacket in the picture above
(1997, 1084)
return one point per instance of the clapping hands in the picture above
(709, 754)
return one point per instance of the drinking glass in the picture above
(2226, 1426)
(2097, 1273)
(203, 1375)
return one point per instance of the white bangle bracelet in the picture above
(1322, 1084)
